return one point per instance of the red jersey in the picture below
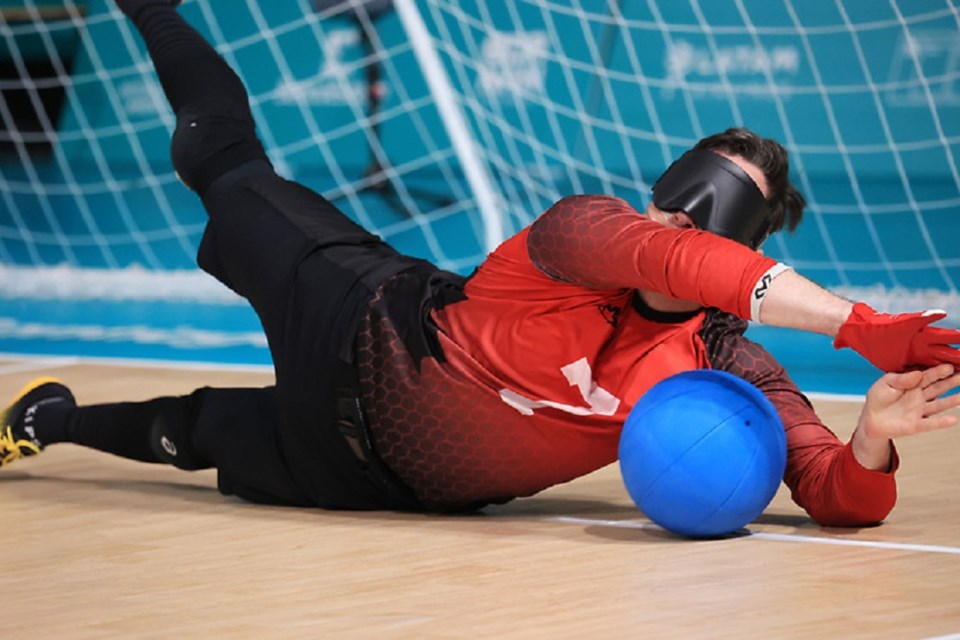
(521, 376)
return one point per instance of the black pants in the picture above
(307, 270)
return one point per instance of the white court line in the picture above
(38, 364)
(779, 537)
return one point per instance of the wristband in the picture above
(759, 293)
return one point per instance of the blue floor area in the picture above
(231, 335)
(193, 333)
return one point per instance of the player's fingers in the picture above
(904, 381)
(937, 422)
(945, 354)
(937, 388)
(939, 335)
(933, 315)
(935, 375)
(938, 372)
(933, 407)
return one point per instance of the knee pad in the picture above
(171, 435)
(210, 139)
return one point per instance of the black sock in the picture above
(157, 430)
(122, 428)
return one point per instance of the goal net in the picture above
(444, 125)
(601, 96)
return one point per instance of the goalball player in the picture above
(402, 386)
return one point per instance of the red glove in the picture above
(900, 342)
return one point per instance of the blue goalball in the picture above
(702, 453)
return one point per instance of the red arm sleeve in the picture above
(601, 242)
(823, 475)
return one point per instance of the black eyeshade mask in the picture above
(718, 196)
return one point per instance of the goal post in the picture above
(453, 121)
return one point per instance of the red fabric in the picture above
(541, 363)
(823, 476)
(444, 426)
(602, 242)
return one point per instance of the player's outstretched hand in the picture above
(899, 342)
(902, 404)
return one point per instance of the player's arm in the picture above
(603, 242)
(823, 474)
(893, 343)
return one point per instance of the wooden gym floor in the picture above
(99, 547)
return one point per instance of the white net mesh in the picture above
(599, 96)
(86, 178)
(558, 97)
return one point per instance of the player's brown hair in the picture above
(785, 200)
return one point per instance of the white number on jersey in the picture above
(578, 374)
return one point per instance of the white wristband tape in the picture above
(759, 293)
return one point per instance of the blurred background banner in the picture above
(444, 125)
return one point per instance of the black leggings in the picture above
(307, 270)
(215, 130)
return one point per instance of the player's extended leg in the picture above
(261, 226)
(308, 271)
(215, 129)
(233, 430)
